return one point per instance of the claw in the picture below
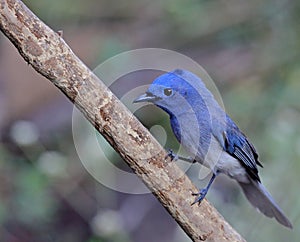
(175, 157)
(200, 196)
(202, 193)
(172, 155)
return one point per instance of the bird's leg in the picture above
(175, 157)
(202, 193)
(187, 159)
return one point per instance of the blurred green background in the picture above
(250, 48)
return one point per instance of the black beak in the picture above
(147, 97)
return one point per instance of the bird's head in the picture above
(173, 91)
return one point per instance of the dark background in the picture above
(251, 49)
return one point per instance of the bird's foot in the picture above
(175, 157)
(172, 155)
(200, 196)
(202, 193)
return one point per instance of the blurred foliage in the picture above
(252, 50)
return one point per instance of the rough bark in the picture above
(49, 55)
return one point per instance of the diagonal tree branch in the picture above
(49, 55)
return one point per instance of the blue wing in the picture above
(237, 145)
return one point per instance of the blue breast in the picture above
(175, 127)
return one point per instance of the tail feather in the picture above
(261, 199)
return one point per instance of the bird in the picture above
(211, 137)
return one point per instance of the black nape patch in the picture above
(178, 72)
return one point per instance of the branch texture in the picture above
(50, 56)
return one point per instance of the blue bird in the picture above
(210, 136)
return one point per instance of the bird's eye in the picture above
(168, 91)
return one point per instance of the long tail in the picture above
(261, 199)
